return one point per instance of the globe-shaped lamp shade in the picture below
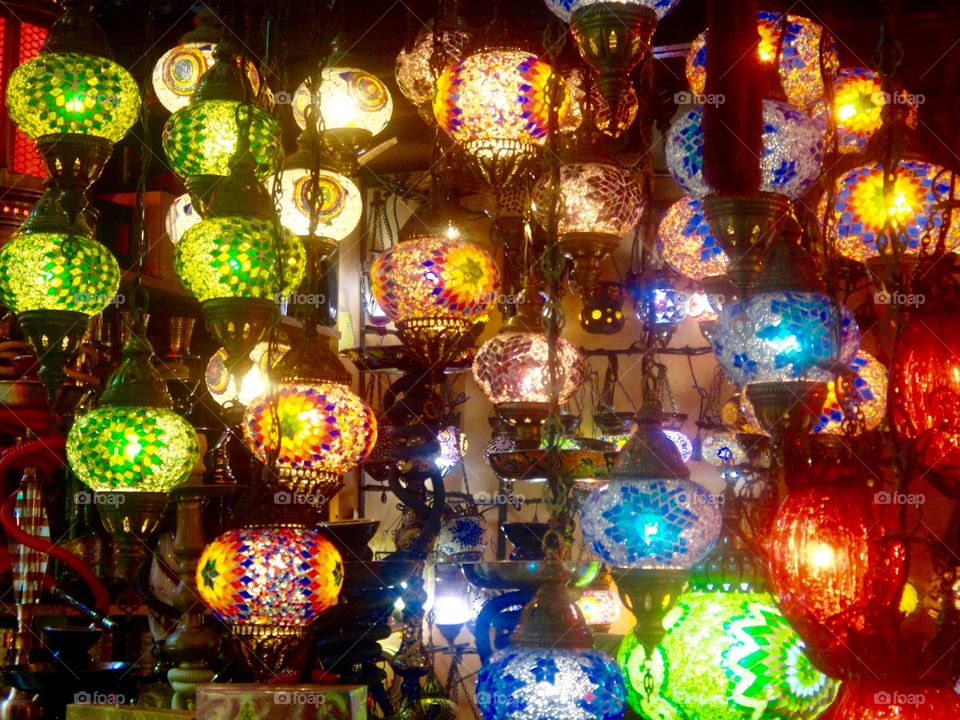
(792, 150)
(414, 71)
(563, 9)
(861, 210)
(725, 656)
(349, 99)
(181, 216)
(53, 271)
(595, 197)
(603, 118)
(179, 69)
(513, 367)
(496, 98)
(236, 257)
(601, 606)
(682, 443)
(722, 449)
(925, 389)
(132, 449)
(461, 536)
(651, 524)
(223, 386)
(339, 204)
(435, 277)
(75, 93)
(700, 306)
(686, 243)
(323, 429)
(535, 683)
(863, 699)
(868, 394)
(835, 572)
(201, 139)
(282, 576)
(801, 67)
(784, 336)
(858, 101)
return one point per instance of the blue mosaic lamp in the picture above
(550, 669)
(786, 341)
(650, 516)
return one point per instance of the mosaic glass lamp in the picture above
(792, 151)
(495, 104)
(436, 287)
(686, 243)
(178, 71)
(550, 669)
(511, 368)
(237, 264)
(227, 391)
(806, 55)
(725, 656)
(75, 102)
(613, 37)
(868, 390)
(54, 276)
(599, 203)
(268, 584)
(650, 515)
(350, 106)
(309, 424)
(201, 140)
(600, 603)
(414, 70)
(862, 208)
(786, 341)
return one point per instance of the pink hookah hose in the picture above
(46, 455)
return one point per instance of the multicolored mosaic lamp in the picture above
(436, 287)
(495, 104)
(512, 371)
(862, 208)
(268, 584)
(785, 342)
(350, 106)
(600, 603)
(310, 425)
(201, 140)
(550, 669)
(867, 382)
(75, 102)
(613, 37)
(238, 263)
(178, 71)
(725, 656)
(134, 449)
(54, 276)
(600, 202)
(804, 55)
(686, 243)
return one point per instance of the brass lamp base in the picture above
(438, 341)
(587, 251)
(498, 162)
(74, 161)
(613, 37)
(130, 518)
(200, 189)
(321, 486)
(268, 649)
(650, 595)
(55, 336)
(238, 324)
(526, 421)
(789, 407)
(745, 227)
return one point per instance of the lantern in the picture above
(611, 122)
(792, 151)
(602, 311)
(414, 69)
(863, 699)
(495, 104)
(337, 201)
(804, 55)
(227, 390)
(685, 242)
(868, 395)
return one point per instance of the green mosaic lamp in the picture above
(202, 139)
(132, 450)
(53, 277)
(239, 262)
(74, 101)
